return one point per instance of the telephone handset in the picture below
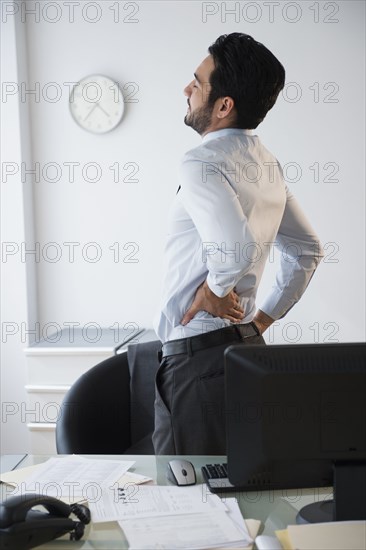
(22, 527)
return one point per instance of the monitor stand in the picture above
(318, 512)
(349, 504)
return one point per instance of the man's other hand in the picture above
(227, 307)
(262, 321)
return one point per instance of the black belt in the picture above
(209, 339)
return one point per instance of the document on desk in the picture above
(219, 529)
(139, 501)
(211, 530)
(340, 535)
(73, 477)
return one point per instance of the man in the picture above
(232, 203)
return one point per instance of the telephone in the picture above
(23, 528)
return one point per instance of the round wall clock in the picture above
(97, 104)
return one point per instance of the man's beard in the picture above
(200, 119)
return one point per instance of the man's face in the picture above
(199, 114)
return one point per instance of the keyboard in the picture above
(215, 475)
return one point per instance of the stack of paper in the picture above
(340, 535)
(72, 478)
(173, 517)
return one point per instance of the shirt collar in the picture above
(225, 132)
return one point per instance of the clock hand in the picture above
(105, 112)
(90, 112)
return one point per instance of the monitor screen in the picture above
(294, 413)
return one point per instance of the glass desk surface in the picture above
(275, 509)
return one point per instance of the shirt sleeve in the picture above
(216, 212)
(300, 253)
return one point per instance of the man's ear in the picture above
(226, 106)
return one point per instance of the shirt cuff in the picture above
(219, 290)
(276, 306)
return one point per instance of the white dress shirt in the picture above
(231, 206)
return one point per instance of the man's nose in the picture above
(188, 90)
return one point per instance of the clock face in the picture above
(96, 104)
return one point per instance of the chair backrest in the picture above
(95, 413)
(143, 363)
(110, 408)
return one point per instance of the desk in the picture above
(275, 509)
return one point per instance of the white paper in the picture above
(139, 501)
(74, 477)
(198, 531)
(237, 518)
(131, 477)
(201, 530)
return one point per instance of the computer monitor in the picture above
(296, 418)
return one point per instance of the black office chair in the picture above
(110, 408)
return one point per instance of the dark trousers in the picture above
(190, 401)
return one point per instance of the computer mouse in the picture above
(181, 472)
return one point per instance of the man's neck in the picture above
(215, 128)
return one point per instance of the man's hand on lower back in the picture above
(227, 307)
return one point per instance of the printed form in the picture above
(73, 477)
(138, 501)
(172, 517)
(202, 530)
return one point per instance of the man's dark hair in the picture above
(249, 73)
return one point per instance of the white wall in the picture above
(158, 53)
(18, 278)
